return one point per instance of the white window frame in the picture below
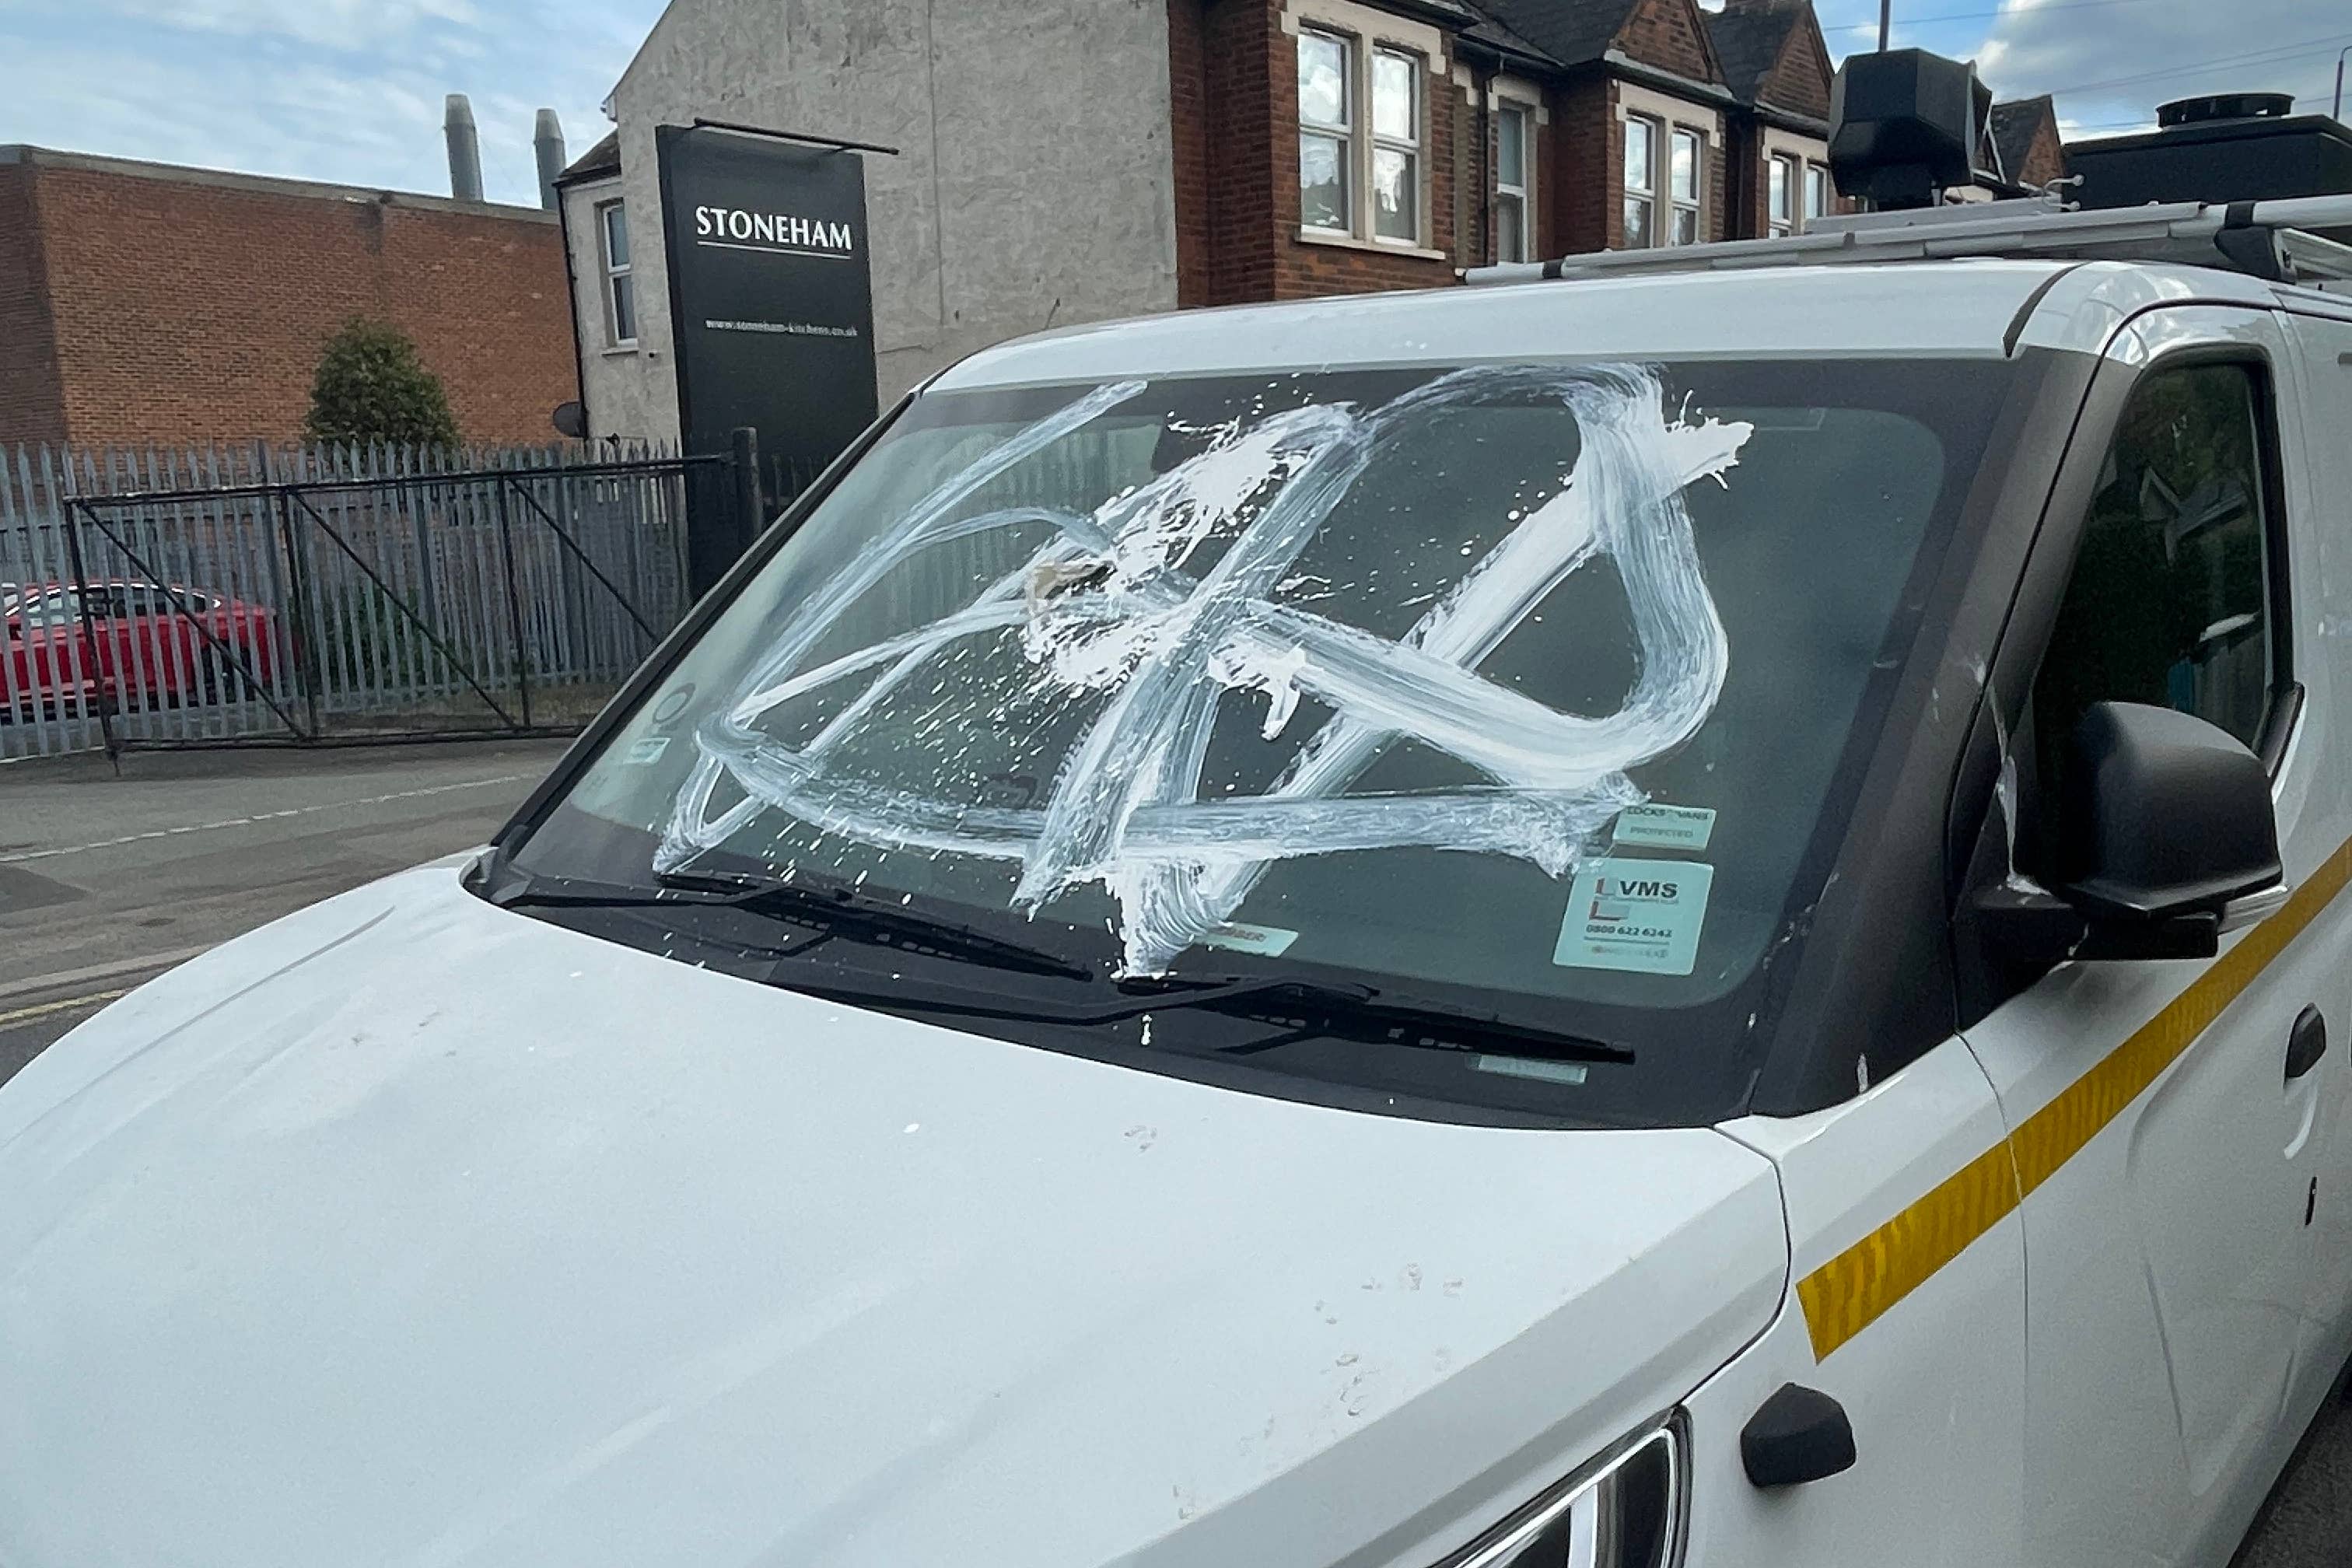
(615, 272)
(1780, 225)
(1523, 192)
(1695, 204)
(1654, 130)
(1351, 182)
(1364, 32)
(1415, 147)
(1827, 187)
(1806, 157)
(1666, 114)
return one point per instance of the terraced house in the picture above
(1104, 158)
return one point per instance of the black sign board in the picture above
(772, 303)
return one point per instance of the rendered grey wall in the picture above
(625, 393)
(1034, 186)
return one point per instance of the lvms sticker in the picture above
(1643, 916)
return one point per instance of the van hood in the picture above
(411, 1230)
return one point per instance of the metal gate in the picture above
(334, 595)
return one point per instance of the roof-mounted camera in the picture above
(1904, 127)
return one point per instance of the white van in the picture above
(1691, 917)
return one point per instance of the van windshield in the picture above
(1540, 687)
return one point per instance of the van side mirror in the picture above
(2166, 839)
(2162, 816)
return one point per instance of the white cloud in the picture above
(345, 91)
(332, 24)
(2111, 63)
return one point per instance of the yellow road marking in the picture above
(27, 1014)
(1853, 1290)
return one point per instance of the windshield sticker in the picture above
(1641, 916)
(1272, 942)
(642, 753)
(1655, 826)
(1112, 607)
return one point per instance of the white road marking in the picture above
(262, 817)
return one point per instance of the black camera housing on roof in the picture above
(1904, 126)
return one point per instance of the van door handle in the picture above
(2305, 1043)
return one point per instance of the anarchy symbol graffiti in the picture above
(1109, 605)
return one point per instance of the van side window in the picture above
(2170, 600)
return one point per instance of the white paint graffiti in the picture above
(1109, 607)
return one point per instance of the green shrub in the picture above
(370, 386)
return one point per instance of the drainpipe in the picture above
(572, 297)
(1482, 115)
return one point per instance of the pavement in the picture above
(107, 882)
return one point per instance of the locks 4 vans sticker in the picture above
(1643, 916)
(1665, 827)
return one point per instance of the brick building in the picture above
(142, 302)
(2025, 137)
(1119, 157)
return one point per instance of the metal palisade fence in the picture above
(255, 595)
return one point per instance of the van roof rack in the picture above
(2267, 239)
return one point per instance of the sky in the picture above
(351, 90)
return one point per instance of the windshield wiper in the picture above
(1313, 1010)
(1303, 1009)
(834, 912)
(843, 911)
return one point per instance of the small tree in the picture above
(370, 386)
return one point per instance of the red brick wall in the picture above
(1799, 80)
(1587, 182)
(1234, 72)
(187, 311)
(32, 404)
(1586, 176)
(2045, 160)
(1716, 215)
(1244, 160)
(1188, 85)
(1236, 167)
(1745, 190)
(1471, 169)
(1668, 34)
(1303, 267)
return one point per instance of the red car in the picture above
(140, 646)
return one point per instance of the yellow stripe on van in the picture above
(1853, 1290)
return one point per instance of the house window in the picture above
(1396, 146)
(1817, 191)
(1514, 149)
(620, 289)
(1359, 128)
(1640, 183)
(1326, 131)
(1682, 179)
(1781, 196)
